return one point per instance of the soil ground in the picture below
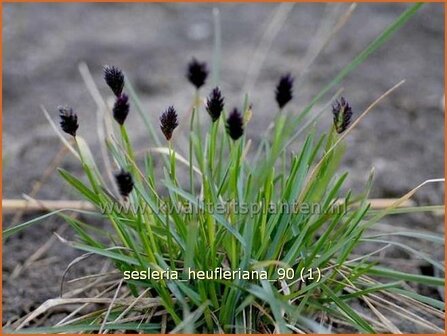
(402, 138)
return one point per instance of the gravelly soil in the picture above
(43, 44)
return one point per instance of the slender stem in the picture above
(212, 150)
(172, 162)
(197, 107)
(131, 164)
(191, 163)
(86, 168)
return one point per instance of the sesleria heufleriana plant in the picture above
(270, 229)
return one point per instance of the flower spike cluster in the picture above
(168, 122)
(342, 113)
(121, 109)
(235, 124)
(197, 73)
(125, 183)
(215, 104)
(114, 78)
(69, 120)
(284, 90)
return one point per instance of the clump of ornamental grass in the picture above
(276, 220)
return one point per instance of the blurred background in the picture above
(43, 44)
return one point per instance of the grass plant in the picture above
(265, 210)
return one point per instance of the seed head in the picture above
(235, 124)
(342, 114)
(215, 104)
(114, 78)
(125, 182)
(197, 73)
(168, 122)
(121, 109)
(284, 90)
(69, 120)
